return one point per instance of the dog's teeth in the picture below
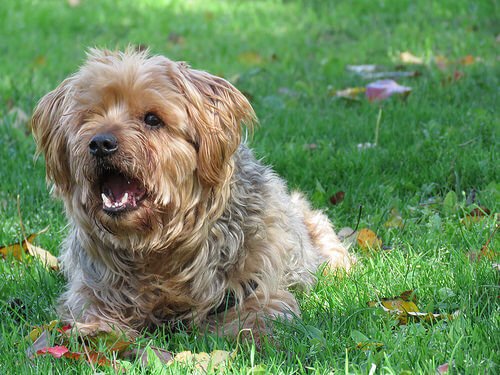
(106, 200)
(124, 199)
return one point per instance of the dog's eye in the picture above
(152, 120)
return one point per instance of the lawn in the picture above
(434, 163)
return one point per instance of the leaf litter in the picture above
(404, 308)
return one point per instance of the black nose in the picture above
(103, 144)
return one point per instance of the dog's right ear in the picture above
(49, 125)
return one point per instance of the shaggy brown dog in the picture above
(171, 217)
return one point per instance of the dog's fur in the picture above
(210, 224)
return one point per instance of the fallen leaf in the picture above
(485, 252)
(26, 247)
(37, 331)
(409, 58)
(17, 250)
(380, 90)
(204, 361)
(350, 93)
(56, 351)
(41, 342)
(476, 215)
(467, 60)
(443, 369)
(337, 197)
(395, 220)
(368, 240)
(74, 3)
(404, 307)
(49, 260)
(113, 341)
(250, 58)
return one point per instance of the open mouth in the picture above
(120, 193)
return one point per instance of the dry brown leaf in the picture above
(368, 240)
(337, 197)
(476, 215)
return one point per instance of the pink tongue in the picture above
(118, 185)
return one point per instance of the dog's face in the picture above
(132, 141)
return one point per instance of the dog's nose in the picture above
(103, 144)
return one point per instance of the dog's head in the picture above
(131, 139)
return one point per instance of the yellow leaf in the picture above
(37, 331)
(368, 240)
(399, 305)
(349, 93)
(369, 345)
(204, 361)
(405, 307)
(16, 250)
(250, 58)
(409, 58)
(395, 220)
(115, 341)
(47, 258)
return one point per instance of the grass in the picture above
(285, 56)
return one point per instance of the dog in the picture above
(171, 217)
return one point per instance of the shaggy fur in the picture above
(202, 220)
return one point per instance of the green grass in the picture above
(285, 56)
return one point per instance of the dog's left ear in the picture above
(217, 110)
(49, 126)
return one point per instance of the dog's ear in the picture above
(49, 125)
(217, 110)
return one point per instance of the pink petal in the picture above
(380, 90)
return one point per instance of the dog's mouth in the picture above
(120, 193)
